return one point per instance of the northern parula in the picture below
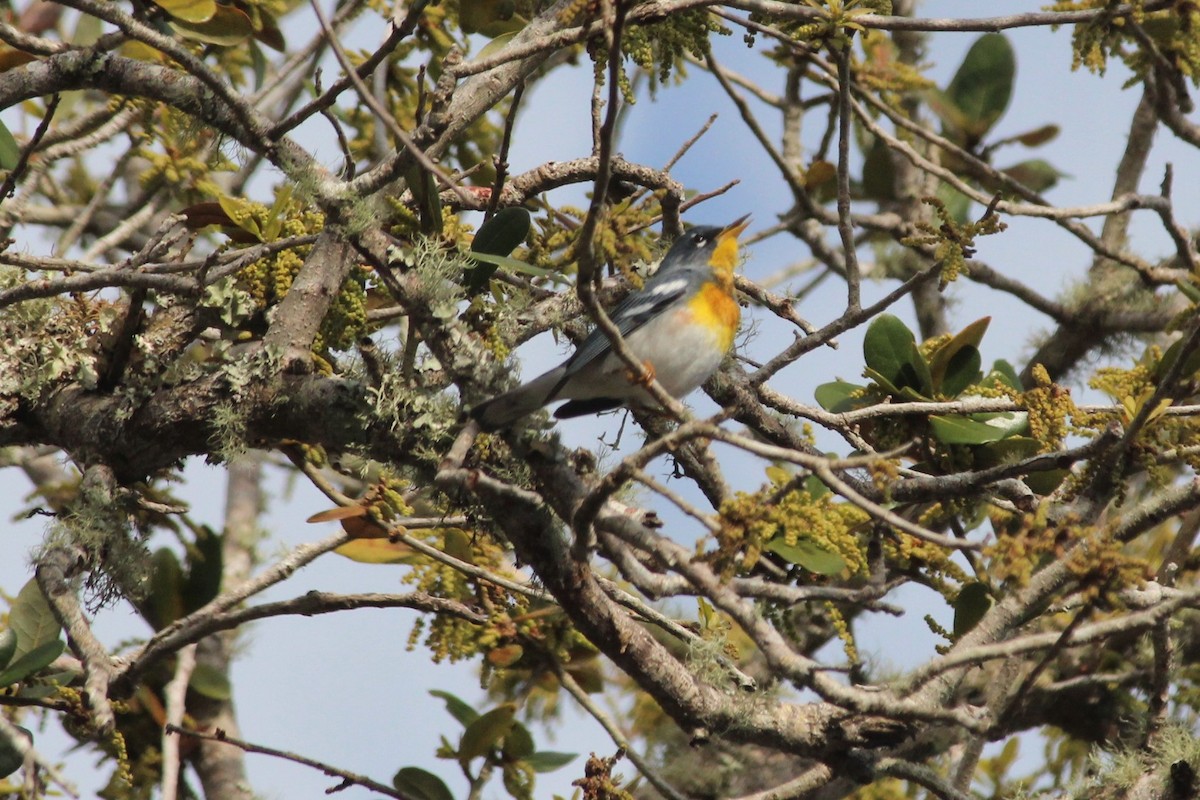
(680, 325)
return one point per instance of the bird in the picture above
(680, 325)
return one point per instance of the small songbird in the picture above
(680, 325)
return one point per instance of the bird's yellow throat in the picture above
(725, 255)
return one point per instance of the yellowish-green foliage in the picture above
(1172, 32)
(880, 69)
(1133, 388)
(268, 279)
(623, 236)
(953, 242)
(1049, 407)
(181, 153)
(660, 49)
(887, 789)
(750, 520)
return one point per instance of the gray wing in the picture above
(630, 314)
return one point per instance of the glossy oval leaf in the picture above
(10, 151)
(1037, 174)
(8, 646)
(1039, 136)
(1045, 482)
(970, 336)
(32, 620)
(962, 371)
(462, 711)
(879, 173)
(503, 233)
(837, 396)
(983, 85)
(164, 604)
(418, 784)
(890, 350)
(486, 732)
(1004, 373)
(377, 551)
(809, 555)
(228, 27)
(206, 563)
(974, 600)
(210, 682)
(548, 760)
(499, 236)
(963, 430)
(189, 10)
(11, 758)
(518, 744)
(887, 345)
(31, 662)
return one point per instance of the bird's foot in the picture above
(645, 378)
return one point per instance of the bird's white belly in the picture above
(681, 353)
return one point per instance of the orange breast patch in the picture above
(713, 307)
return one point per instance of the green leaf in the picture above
(518, 780)
(974, 600)
(227, 27)
(503, 233)
(32, 620)
(489, 17)
(241, 213)
(972, 430)
(189, 10)
(983, 85)
(920, 371)
(518, 266)
(418, 784)
(486, 732)
(164, 603)
(548, 760)
(887, 345)
(962, 371)
(890, 349)
(1167, 362)
(462, 711)
(809, 555)
(424, 190)
(499, 236)
(883, 383)
(205, 570)
(879, 172)
(8, 646)
(1006, 451)
(1039, 136)
(815, 487)
(258, 63)
(957, 204)
(939, 362)
(518, 743)
(10, 151)
(10, 757)
(496, 45)
(1046, 481)
(1037, 174)
(30, 662)
(210, 682)
(836, 396)
(1004, 373)
(1190, 290)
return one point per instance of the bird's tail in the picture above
(503, 410)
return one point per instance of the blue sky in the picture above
(344, 689)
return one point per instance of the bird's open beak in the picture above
(735, 228)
